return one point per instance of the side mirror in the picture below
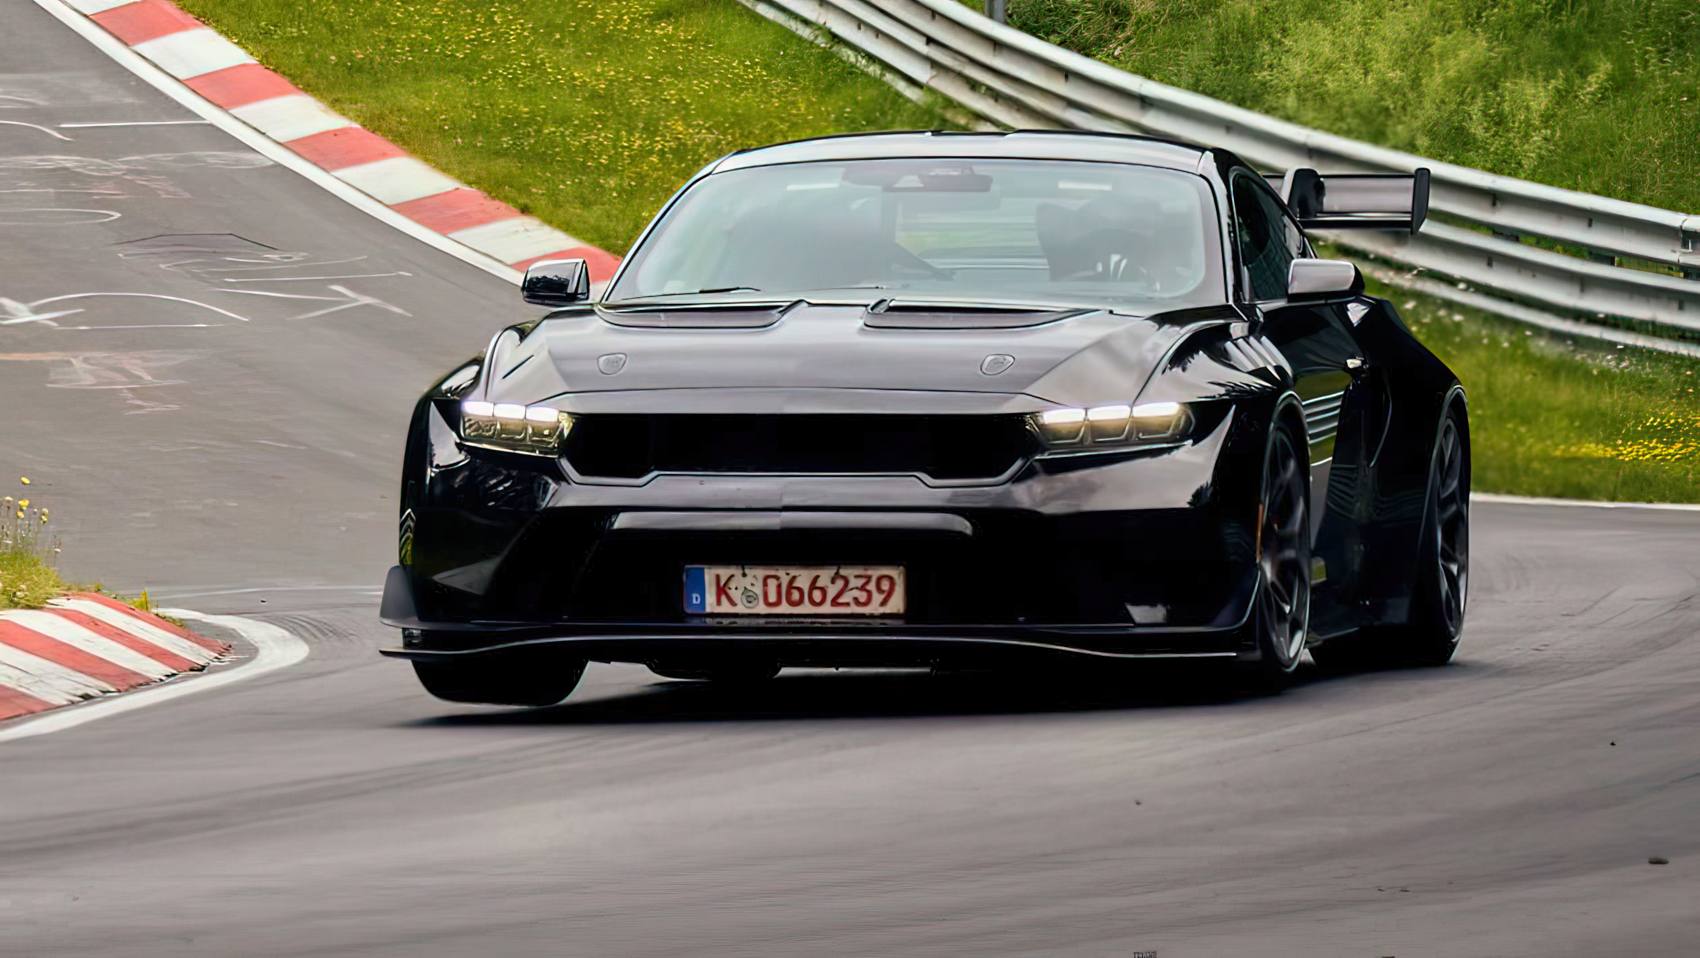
(556, 282)
(1316, 280)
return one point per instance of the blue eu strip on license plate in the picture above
(696, 590)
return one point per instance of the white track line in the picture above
(94, 125)
(1582, 503)
(201, 592)
(264, 145)
(273, 649)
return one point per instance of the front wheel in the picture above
(514, 680)
(1281, 615)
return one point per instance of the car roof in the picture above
(1019, 144)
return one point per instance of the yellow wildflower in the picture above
(24, 479)
(23, 503)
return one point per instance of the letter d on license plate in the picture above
(794, 590)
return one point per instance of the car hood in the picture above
(810, 358)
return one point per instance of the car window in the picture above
(986, 229)
(1268, 239)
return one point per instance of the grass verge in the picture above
(28, 570)
(26, 581)
(1557, 416)
(1602, 97)
(587, 115)
(27, 550)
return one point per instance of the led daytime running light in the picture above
(1109, 426)
(512, 427)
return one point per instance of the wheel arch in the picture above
(1290, 411)
(1457, 397)
(1393, 534)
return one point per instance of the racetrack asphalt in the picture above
(1506, 805)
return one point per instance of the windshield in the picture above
(1017, 231)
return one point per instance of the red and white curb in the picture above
(225, 76)
(86, 645)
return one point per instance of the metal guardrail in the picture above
(1014, 80)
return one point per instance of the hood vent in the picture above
(887, 314)
(707, 316)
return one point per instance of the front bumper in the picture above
(1147, 555)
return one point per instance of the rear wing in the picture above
(1355, 201)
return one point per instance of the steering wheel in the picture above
(1112, 262)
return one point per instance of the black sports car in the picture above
(948, 400)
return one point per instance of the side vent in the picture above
(1322, 416)
(1251, 354)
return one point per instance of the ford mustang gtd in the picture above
(946, 400)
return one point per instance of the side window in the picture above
(1267, 238)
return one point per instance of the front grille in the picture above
(940, 447)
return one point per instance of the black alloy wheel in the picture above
(1282, 613)
(1449, 503)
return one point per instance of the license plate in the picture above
(825, 590)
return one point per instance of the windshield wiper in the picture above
(703, 292)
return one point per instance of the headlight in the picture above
(512, 427)
(1106, 428)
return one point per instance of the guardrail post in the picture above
(998, 10)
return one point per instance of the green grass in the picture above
(29, 555)
(1553, 416)
(1598, 96)
(587, 114)
(27, 551)
(26, 581)
(1595, 95)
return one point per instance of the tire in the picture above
(515, 680)
(1280, 619)
(736, 673)
(1430, 636)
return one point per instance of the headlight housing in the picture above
(1112, 427)
(511, 427)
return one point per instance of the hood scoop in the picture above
(890, 314)
(697, 316)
